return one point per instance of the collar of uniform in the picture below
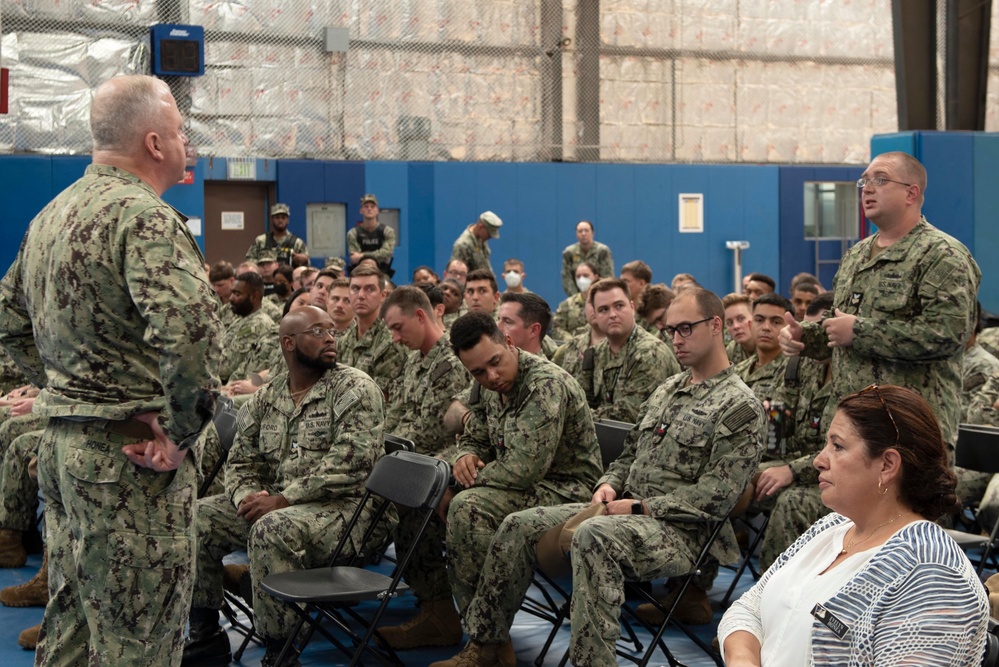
(278, 395)
(431, 356)
(897, 251)
(525, 362)
(371, 334)
(707, 384)
(117, 172)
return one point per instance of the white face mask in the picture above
(583, 283)
(512, 279)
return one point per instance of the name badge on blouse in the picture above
(827, 619)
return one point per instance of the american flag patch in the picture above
(740, 417)
(345, 402)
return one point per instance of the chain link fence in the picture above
(783, 81)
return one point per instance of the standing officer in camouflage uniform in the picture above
(904, 299)
(249, 343)
(370, 239)
(472, 247)
(107, 307)
(433, 377)
(585, 250)
(304, 447)
(684, 465)
(279, 244)
(529, 440)
(626, 367)
(367, 344)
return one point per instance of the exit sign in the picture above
(241, 169)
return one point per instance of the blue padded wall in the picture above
(985, 166)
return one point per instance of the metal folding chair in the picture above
(978, 449)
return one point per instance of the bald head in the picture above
(303, 318)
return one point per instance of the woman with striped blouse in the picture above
(875, 583)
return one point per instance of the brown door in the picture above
(250, 199)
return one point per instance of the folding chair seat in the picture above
(404, 478)
(978, 449)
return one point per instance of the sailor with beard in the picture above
(248, 343)
(305, 445)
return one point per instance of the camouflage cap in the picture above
(492, 223)
(369, 198)
(280, 208)
(264, 259)
(335, 263)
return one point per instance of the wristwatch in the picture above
(636, 507)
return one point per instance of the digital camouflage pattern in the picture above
(248, 346)
(977, 367)
(811, 408)
(107, 307)
(11, 376)
(794, 512)
(317, 455)
(767, 382)
(979, 409)
(569, 355)
(689, 458)
(915, 308)
(569, 316)
(619, 383)
(430, 384)
(12, 428)
(265, 246)
(375, 354)
(989, 340)
(382, 255)
(598, 255)
(18, 490)
(473, 252)
(539, 447)
(736, 353)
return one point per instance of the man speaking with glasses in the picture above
(904, 303)
(304, 447)
(694, 449)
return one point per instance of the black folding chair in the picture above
(611, 435)
(395, 443)
(978, 449)
(991, 657)
(404, 478)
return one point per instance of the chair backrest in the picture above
(410, 479)
(977, 448)
(225, 421)
(991, 656)
(611, 435)
(394, 443)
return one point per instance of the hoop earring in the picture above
(882, 490)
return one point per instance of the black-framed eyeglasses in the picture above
(877, 390)
(317, 332)
(878, 182)
(684, 328)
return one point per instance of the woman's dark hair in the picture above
(926, 483)
(291, 299)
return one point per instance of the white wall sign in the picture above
(232, 220)
(691, 213)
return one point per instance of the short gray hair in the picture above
(122, 109)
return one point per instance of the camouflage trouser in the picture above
(472, 519)
(18, 491)
(14, 427)
(426, 573)
(121, 551)
(294, 538)
(988, 509)
(606, 552)
(971, 484)
(797, 508)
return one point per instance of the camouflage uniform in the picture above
(108, 308)
(979, 409)
(265, 246)
(373, 353)
(736, 353)
(317, 455)
(570, 354)
(383, 255)
(618, 384)
(548, 347)
(569, 316)
(989, 340)
(247, 346)
(598, 255)
(273, 305)
(812, 409)
(430, 384)
(18, 489)
(14, 427)
(915, 308)
(11, 376)
(978, 366)
(767, 382)
(539, 447)
(473, 252)
(226, 316)
(690, 456)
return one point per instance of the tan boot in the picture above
(12, 553)
(694, 608)
(437, 624)
(482, 655)
(29, 638)
(32, 593)
(236, 580)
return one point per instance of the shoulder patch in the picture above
(443, 368)
(975, 381)
(739, 417)
(243, 421)
(345, 402)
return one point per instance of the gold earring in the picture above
(883, 490)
